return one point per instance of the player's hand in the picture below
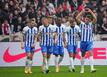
(87, 9)
(83, 10)
(33, 46)
(55, 42)
(65, 45)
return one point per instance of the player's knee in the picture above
(90, 53)
(70, 54)
(83, 54)
(44, 54)
(48, 55)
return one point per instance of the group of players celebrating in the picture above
(54, 38)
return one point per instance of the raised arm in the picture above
(78, 18)
(94, 16)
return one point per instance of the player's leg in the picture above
(91, 61)
(56, 63)
(44, 53)
(27, 49)
(70, 49)
(31, 59)
(83, 52)
(49, 52)
(30, 62)
(61, 53)
(56, 53)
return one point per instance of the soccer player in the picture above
(86, 44)
(28, 41)
(46, 42)
(52, 27)
(59, 39)
(73, 31)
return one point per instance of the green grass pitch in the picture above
(19, 72)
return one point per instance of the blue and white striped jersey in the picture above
(86, 31)
(46, 35)
(60, 38)
(72, 34)
(29, 35)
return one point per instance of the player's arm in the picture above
(55, 37)
(39, 36)
(65, 39)
(78, 18)
(35, 40)
(79, 34)
(94, 16)
(35, 37)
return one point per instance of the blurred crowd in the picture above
(14, 14)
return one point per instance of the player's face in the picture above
(45, 22)
(32, 23)
(50, 20)
(72, 23)
(87, 20)
(58, 21)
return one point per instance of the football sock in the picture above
(60, 59)
(56, 61)
(71, 62)
(91, 62)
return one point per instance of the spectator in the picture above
(6, 28)
(104, 26)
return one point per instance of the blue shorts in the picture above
(86, 46)
(29, 49)
(72, 48)
(47, 49)
(58, 50)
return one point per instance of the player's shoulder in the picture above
(26, 28)
(41, 27)
(67, 29)
(76, 26)
(55, 26)
(35, 28)
(91, 23)
(50, 25)
(63, 26)
(82, 22)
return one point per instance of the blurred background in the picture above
(14, 15)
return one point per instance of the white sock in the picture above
(82, 62)
(27, 63)
(71, 62)
(48, 62)
(43, 65)
(30, 63)
(60, 59)
(46, 65)
(91, 62)
(56, 61)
